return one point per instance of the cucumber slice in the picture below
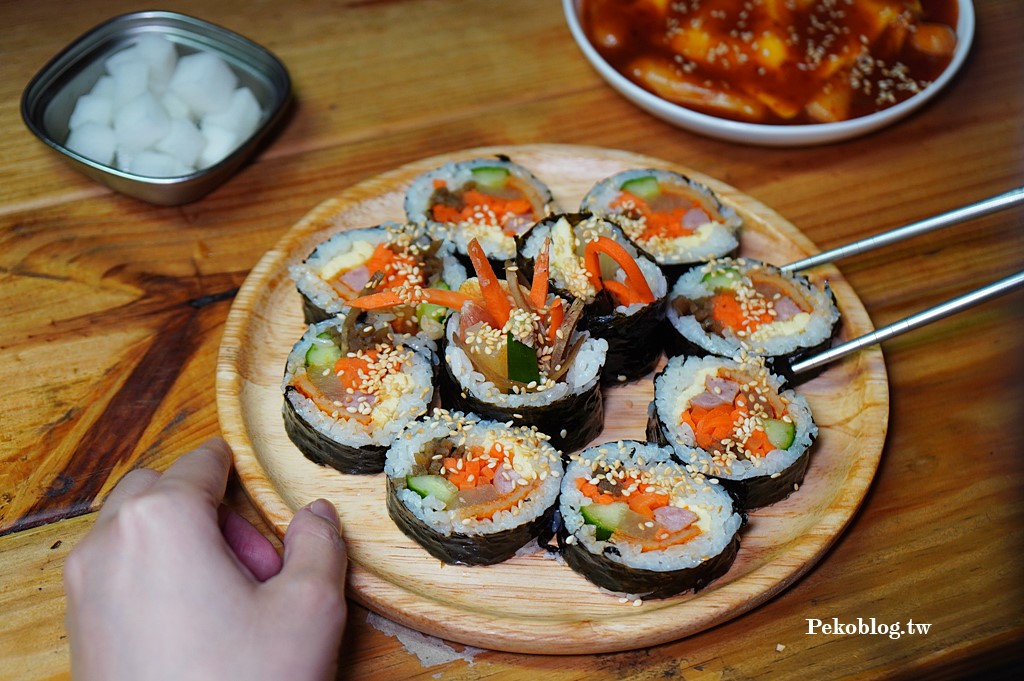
(720, 279)
(780, 433)
(606, 518)
(522, 361)
(646, 187)
(323, 352)
(492, 177)
(436, 486)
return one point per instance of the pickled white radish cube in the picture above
(92, 109)
(157, 164)
(242, 115)
(184, 142)
(131, 79)
(141, 122)
(204, 82)
(104, 87)
(94, 141)
(123, 159)
(219, 143)
(120, 57)
(161, 56)
(175, 107)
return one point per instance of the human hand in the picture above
(168, 585)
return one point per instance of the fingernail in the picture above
(326, 510)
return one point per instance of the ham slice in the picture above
(694, 218)
(356, 277)
(673, 518)
(717, 391)
(786, 309)
(506, 479)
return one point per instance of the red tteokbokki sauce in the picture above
(776, 61)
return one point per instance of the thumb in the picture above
(313, 547)
(308, 595)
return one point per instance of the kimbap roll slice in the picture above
(623, 290)
(349, 391)
(388, 256)
(678, 221)
(635, 521)
(734, 422)
(490, 200)
(514, 353)
(735, 305)
(469, 490)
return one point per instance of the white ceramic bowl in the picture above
(771, 135)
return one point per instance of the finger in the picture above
(131, 485)
(249, 545)
(204, 470)
(313, 548)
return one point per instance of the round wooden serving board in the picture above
(534, 603)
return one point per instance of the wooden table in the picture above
(113, 311)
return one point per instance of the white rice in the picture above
(715, 238)
(806, 330)
(308, 274)
(683, 379)
(496, 244)
(404, 397)
(712, 504)
(529, 451)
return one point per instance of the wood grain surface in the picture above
(524, 603)
(112, 312)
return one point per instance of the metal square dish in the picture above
(50, 97)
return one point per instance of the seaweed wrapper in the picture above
(749, 493)
(634, 341)
(570, 423)
(615, 576)
(466, 549)
(364, 460)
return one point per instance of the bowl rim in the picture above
(766, 134)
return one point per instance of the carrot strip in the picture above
(495, 300)
(376, 301)
(727, 311)
(634, 277)
(482, 208)
(389, 298)
(555, 316)
(624, 294)
(379, 259)
(438, 296)
(757, 444)
(644, 503)
(674, 539)
(657, 223)
(305, 386)
(348, 369)
(592, 492)
(592, 264)
(539, 286)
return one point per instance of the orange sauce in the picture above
(776, 61)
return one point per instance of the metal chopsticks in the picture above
(987, 206)
(998, 288)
